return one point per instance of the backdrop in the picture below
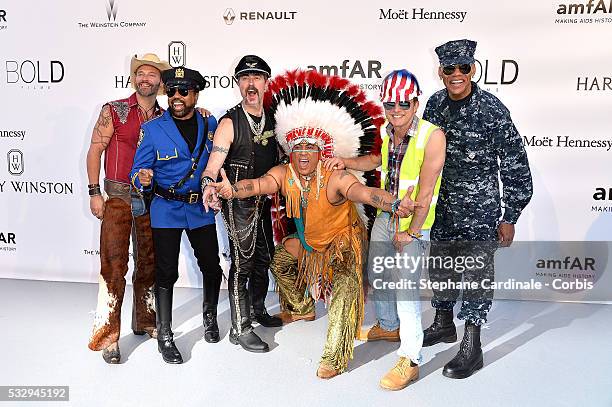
(549, 62)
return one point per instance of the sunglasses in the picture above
(182, 91)
(463, 68)
(405, 105)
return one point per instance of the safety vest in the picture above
(410, 169)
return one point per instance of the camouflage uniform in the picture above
(469, 207)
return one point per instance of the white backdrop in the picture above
(62, 60)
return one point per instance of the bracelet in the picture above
(93, 186)
(415, 235)
(205, 181)
(234, 191)
(395, 205)
(95, 191)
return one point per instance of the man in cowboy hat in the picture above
(123, 213)
(245, 146)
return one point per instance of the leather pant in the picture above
(248, 276)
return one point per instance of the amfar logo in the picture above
(33, 74)
(597, 9)
(593, 83)
(420, 14)
(15, 162)
(504, 72)
(3, 20)
(177, 54)
(603, 197)
(229, 15)
(348, 69)
(111, 10)
(9, 239)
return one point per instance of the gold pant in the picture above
(344, 309)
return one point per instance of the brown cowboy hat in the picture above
(147, 59)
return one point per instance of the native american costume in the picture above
(333, 114)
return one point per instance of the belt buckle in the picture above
(193, 197)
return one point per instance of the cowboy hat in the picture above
(147, 59)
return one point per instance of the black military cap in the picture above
(252, 64)
(189, 78)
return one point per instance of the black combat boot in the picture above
(165, 337)
(469, 358)
(442, 330)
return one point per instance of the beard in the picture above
(145, 92)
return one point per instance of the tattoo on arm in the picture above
(104, 121)
(379, 202)
(220, 149)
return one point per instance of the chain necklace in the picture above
(256, 128)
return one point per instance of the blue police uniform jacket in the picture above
(163, 149)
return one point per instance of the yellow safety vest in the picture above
(410, 169)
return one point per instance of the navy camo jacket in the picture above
(482, 146)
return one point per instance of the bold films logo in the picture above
(590, 12)
(112, 11)
(367, 73)
(492, 74)
(3, 25)
(33, 74)
(16, 168)
(8, 241)
(253, 16)
(421, 14)
(602, 198)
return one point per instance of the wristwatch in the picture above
(205, 181)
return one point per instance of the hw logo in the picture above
(15, 162)
(177, 53)
(111, 10)
(229, 16)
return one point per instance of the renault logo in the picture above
(229, 16)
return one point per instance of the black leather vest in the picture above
(247, 159)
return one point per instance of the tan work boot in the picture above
(326, 372)
(376, 333)
(289, 317)
(400, 376)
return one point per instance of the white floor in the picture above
(536, 354)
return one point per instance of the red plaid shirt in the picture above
(396, 155)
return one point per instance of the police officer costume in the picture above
(177, 163)
(252, 153)
(479, 132)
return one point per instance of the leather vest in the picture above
(241, 161)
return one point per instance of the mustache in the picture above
(253, 88)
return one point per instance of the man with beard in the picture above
(172, 153)
(245, 146)
(482, 147)
(123, 213)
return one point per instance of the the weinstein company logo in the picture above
(177, 53)
(112, 7)
(111, 10)
(591, 12)
(15, 162)
(229, 16)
